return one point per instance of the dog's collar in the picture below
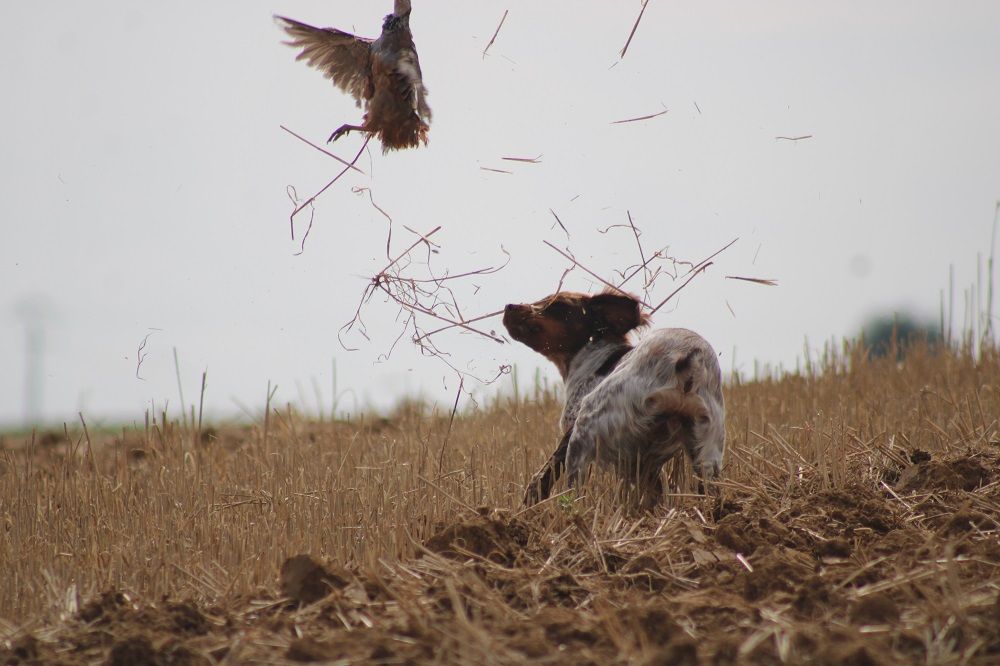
(612, 361)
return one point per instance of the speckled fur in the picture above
(582, 377)
(665, 395)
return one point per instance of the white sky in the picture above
(144, 177)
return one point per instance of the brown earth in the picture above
(853, 575)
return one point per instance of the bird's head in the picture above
(399, 18)
(401, 8)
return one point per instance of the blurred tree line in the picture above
(884, 333)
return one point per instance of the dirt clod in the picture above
(104, 607)
(679, 652)
(187, 618)
(488, 537)
(851, 652)
(966, 520)
(875, 609)
(25, 648)
(133, 651)
(306, 581)
(958, 472)
(836, 547)
(308, 650)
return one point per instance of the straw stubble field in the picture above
(859, 523)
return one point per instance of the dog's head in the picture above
(560, 325)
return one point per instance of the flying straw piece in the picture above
(635, 120)
(495, 33)
(529, 160)
(634, 27)
(764, 281)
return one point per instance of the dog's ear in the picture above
(616, 313)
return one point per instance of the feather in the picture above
(343, 58)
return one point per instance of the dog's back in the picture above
(664, 395)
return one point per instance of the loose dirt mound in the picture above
(305, 580)
(485, 536)
(957, 472)
(829, 523)
(113, 629)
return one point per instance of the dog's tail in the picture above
(681, 401)
(674, 403)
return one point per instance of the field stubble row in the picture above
(858, 521)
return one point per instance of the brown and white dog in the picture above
(631, 407)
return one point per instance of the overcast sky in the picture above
(145, 175)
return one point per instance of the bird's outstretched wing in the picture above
(343, 58)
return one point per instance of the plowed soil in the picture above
(865, 573)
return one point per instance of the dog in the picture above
(630, 407)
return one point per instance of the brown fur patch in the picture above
(674, 403)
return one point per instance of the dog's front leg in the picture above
(541, 483)
(580, 452)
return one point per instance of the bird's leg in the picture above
(344, 129)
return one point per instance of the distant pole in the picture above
(35, 335)
(33, 313)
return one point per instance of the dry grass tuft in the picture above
(859, 523)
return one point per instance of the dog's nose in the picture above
(512, 314)
(514, 309)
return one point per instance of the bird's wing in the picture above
(407, 79)
(409, 66)
(343, 58)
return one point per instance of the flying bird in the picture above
(382, 74)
